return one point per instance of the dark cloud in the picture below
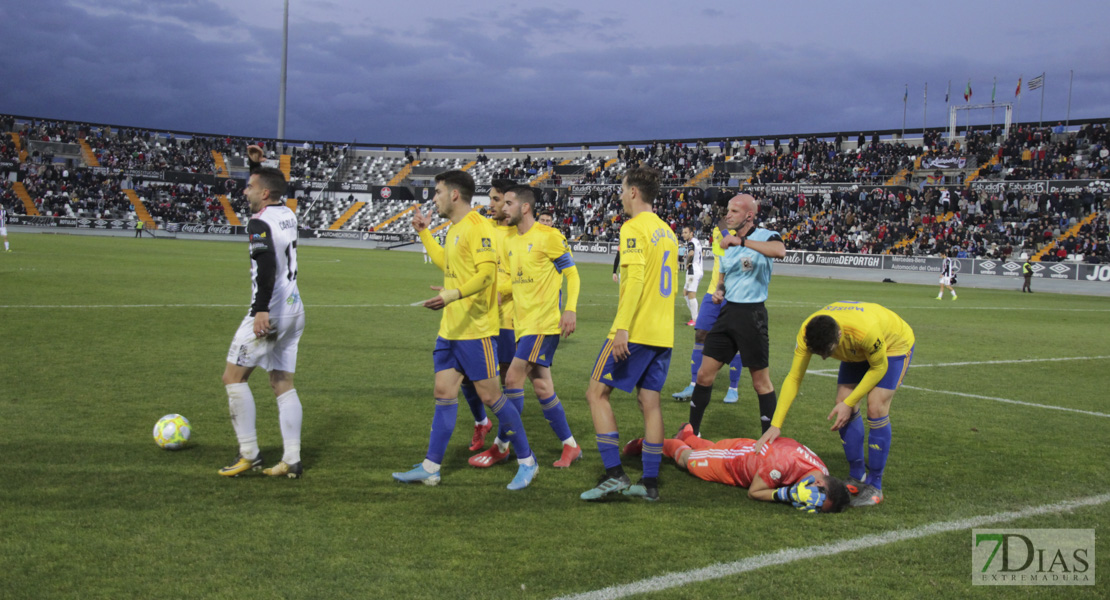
(515, 75)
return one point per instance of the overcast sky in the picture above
(495, 72)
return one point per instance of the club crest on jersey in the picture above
(486, 242)
(631, 243)
(487, 245)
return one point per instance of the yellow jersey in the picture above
(718, 252)
(869, 332)
(648, 242)
(469, 243)
(503, 233)
(537, 260)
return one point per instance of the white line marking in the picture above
(1006, 400)
(1008, 362)
(790, 555)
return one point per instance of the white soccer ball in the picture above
(172, 432)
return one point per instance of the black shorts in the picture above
(740, 328)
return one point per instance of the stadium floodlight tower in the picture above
(281, 92)
(953, 112)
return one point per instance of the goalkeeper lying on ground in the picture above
(785, 471)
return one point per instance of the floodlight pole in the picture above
(281, 93)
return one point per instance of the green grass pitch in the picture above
(102, 336)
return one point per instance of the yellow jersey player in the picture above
(707, 316)
(637, 353)
(875, 347)
(467, 342)
(506, 341)
(538, 259)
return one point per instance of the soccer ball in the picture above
(172, 432)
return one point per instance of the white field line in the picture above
(831, 373)
(790, 555)
(1010, 362)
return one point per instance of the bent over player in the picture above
(875, 347)
(269, 334)
(785, 472)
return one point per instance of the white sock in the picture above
(693, 305)
(5, 245)
(570, 442)
(290, 415)
(484, 421)
(502, 445)
(430, 466)
(241, 402)
(530, 461)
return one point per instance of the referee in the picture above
(742, 325)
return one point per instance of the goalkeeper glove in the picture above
(807, 496)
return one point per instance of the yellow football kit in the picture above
(468, 245)
(869, 333)
(649, 266)
(538, 260)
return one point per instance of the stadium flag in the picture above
(994, 89)
(1017, 92)
(949, 91)
(967, 92)
(906, 96)
(1035, 82)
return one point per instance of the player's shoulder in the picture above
(762, 235)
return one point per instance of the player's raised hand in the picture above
(568, 323)
(841, 413)
(419, 219)
(769, 436)
(254, 153)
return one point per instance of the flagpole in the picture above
(1041, 122)
(947, 110)
(925, 117)
(1071, 76)
(905, 102)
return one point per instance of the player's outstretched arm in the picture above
(487, 271)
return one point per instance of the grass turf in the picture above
(102, 336)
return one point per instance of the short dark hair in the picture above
(526, 194)
(271, 179)
(836, 491)
(548, 213)
(821, 333)
(502, 185)
(644, 179)
(459, 180)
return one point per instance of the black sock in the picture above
(615, 472)
(650, 482)
(703, 395)
(767, 404)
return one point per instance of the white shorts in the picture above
(945, 280)
(3, 231)
(275, 352)
(692, 282)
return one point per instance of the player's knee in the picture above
(706, 375)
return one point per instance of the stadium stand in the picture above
(970, 195)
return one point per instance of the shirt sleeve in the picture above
(791, 384)
(262, 253)
(435, 251)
